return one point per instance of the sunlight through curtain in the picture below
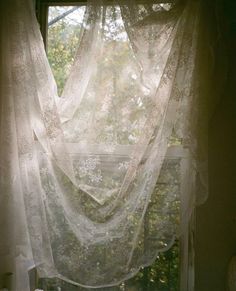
(98, 181)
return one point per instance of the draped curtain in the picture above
(96, 182)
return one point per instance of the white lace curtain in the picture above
(98, 181)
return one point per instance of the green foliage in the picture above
(163, 275)
(63, 39)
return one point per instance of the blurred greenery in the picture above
(163, 275)
(63, 38)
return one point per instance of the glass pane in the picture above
(64, 25)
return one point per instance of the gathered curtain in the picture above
(96, 182)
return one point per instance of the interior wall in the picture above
(215, 238)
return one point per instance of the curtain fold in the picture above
(98, 181)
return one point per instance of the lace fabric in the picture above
(98, 181)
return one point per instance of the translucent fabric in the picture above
(98, 181)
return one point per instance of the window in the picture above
(64, 24)
(60, 25)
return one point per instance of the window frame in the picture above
(43, 5)
(186, 242)
(42, 13)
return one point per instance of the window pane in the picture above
(64, 25)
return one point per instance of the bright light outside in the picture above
(64, 26)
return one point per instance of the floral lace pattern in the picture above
(88, 168)
(99, 180)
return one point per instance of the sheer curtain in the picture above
(98, 181)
